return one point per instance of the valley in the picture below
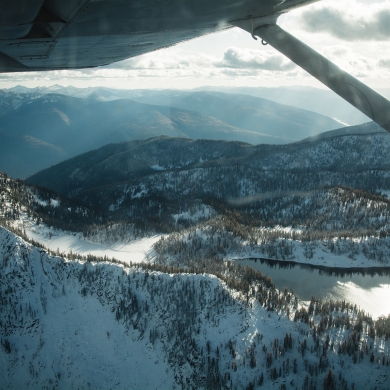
(212, 264)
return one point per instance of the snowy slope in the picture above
(57, 338)
(98, 325)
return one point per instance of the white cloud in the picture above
(232, 57)
(164, 59)
(349, 20)
(354, 63)
(239, 58)
(384, 62)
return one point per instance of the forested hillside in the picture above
(360, 161)
(298, 226)
(42, 206)
(331, 186)
(67, 322)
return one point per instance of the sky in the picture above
(352, 33)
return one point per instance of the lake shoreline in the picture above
(326, 268)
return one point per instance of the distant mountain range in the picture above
(321, 101)
(284, 123)
(39, 129)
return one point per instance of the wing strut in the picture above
(348, 87)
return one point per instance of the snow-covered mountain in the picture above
(69, 323)
(174, 167)
(187, 316)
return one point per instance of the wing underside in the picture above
(58, 34)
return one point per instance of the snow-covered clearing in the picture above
(136, 251)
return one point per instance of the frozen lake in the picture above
(368, 288)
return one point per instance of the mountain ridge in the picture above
(363, 129)
(370, 151)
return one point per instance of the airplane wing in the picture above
(57, 34)
(69, 34)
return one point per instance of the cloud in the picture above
(164, 60)
(237, 72)
(384, 62)
(237, 58)
(232, 58)
(354, 63)
(349, 21)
